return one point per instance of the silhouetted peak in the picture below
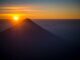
(28, 20)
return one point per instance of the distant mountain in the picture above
(4, 24)
(29, 41)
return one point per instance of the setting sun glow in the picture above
(16, 18)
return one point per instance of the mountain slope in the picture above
(30, 41)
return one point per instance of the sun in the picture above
(16, 18)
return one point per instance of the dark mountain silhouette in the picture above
(4, 24)
(29, 41)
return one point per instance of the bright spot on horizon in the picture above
(16, 18)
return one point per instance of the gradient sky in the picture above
(41, 9)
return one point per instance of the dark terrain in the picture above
(31, 41)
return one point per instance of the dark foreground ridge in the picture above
(30, 41)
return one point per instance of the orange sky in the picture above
(41, 12)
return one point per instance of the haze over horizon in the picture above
(41, 9)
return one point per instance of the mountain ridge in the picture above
(30, 41)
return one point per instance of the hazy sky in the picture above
(48, 9)
(38, 1)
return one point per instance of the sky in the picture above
(41, 9)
